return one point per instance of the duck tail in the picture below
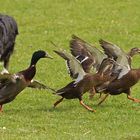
(51, 89)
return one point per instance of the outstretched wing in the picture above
(87, 55)
(108, 71)
(117, 54)
(75, 69)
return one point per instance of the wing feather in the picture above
(75, 69)
(81, 49)
(117, 54)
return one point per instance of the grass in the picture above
(31, 115)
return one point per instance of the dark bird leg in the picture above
(103, 99)
(100, 95)
(92, 93)
(85, 106)
(131, 98)
(1, 108)
(57, 102)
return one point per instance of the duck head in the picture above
(30, 72)
(37, 55)
(134, 51)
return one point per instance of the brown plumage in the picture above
(77, 88)
(128, 77)
(12, 84)
(123, 85)
(131, 53)
(89, 56)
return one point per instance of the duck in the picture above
(91, 57)
(12, 84)
(83, 81)
(122, 85)
(8, 33)
(127, 78)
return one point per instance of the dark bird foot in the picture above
(103, 99)
(57, 102)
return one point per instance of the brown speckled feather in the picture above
(88, 55)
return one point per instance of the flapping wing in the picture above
(88, 55)
(117, 54)
(75, 69)
(108, 71)
(38, 85)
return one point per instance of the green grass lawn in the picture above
(31, 116)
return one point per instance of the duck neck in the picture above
(33, 61)
(130, 54)
(29, 73)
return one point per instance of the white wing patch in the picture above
(84, 59)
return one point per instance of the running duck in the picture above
(122, 85)
(127, 77)
(83, 81)
(12, 84)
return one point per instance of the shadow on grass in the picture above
(70, 107)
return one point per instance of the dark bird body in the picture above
(12, 84)
(124, 84)
(8, 32)
(73, 90)
(88, 55)
(84, 81)
(127, 78)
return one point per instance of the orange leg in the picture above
(87, 107)
(133, 99)
(57, 102)
(103, 99)
(1, 108)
